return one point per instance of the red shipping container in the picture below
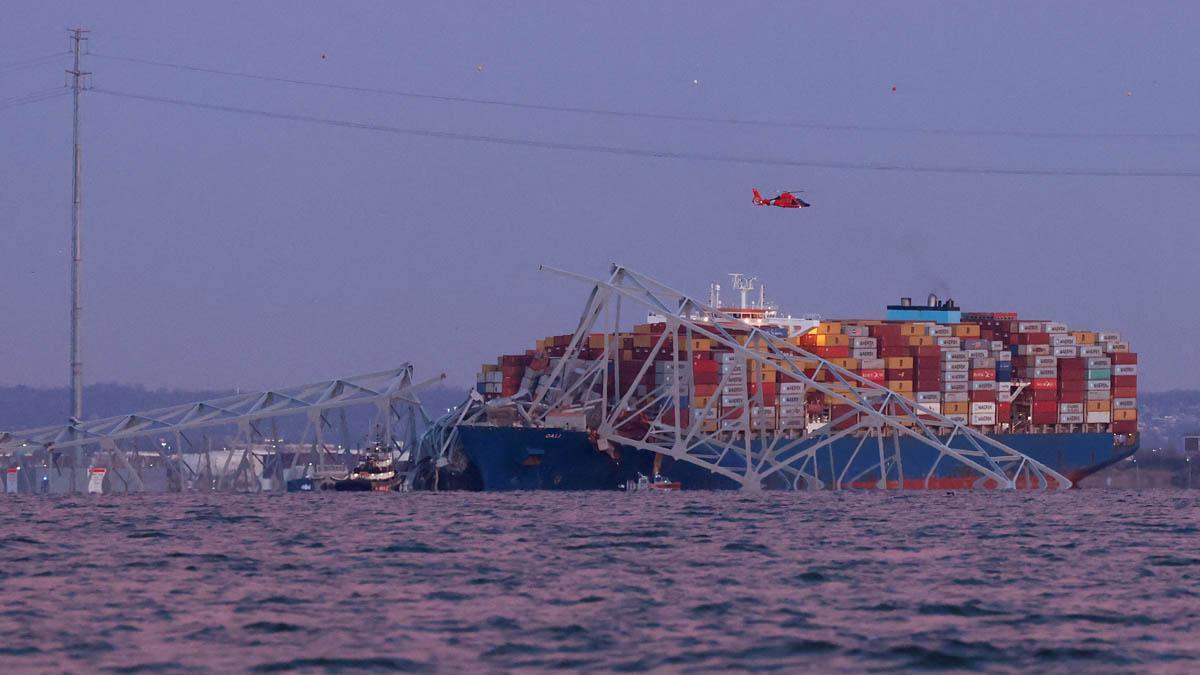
(983, 374)
(1043, 383)
(1045, 394)
(1125, 427)
(704, 390)
(895, 350)
(934, 353)
(1045, 406)
(1045, 417)
(832, 352)
(1031, 339)
(1003, 412)
(874, 375)
(983, 396)
(1072, 385)
(1124, 358)
(1124, 381)
(1076, 396)
(1124, 392)
(899, 373)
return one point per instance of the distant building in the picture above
(1191, 445)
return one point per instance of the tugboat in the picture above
(376, 472)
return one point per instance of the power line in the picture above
(34, 97)
(641, 152)
(779, 124)
(29, 63)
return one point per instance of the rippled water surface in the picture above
(1091, 580)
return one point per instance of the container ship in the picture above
(726, 395)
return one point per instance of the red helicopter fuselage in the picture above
(785, 200)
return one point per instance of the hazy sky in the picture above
(225, 250)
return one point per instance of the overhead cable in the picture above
(651, 153)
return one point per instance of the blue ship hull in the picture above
(519, 458)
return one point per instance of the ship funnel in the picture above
(933, 300)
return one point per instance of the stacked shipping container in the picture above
(991, 371)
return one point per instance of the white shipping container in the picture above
(983, 385)
(1033, 350)
(863, 342)
(1099, 363)
(1065, 352)
(949, 342)
(983, 407)
(956, 397)
(1125, 369)
(1062, 340)
(983, 419)
(863, 353)
(1003, 355)
(1091, 350)
(956, 366)
(1070, 407)
(935, 408)
(791, 387)
(960, 419)
(977, 353)
(986, 364)
(956, 376)
(855, 330)
(998, 346)
(791, 411)
(929, 396)
(1098, 395)
(954, 355)
(1099, 385)
(1070, 418)
(791, 399)
(1108, 337)
(1099, 417)
(1042, 361)
(954, 386)
(731, 424)
(1045, 373)
(1029, 327)
(1112, 347)
(1055, 327)
(939, 331)
(1125, 403)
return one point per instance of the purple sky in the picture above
(225, 250)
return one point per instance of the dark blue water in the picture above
(1087, 580)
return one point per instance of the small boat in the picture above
(375, 473)
(659, 483)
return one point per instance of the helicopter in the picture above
(785, 200)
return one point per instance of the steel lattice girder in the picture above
(383, 388)
(877, 411)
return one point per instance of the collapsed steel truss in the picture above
(399, 420)
(655, 417)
